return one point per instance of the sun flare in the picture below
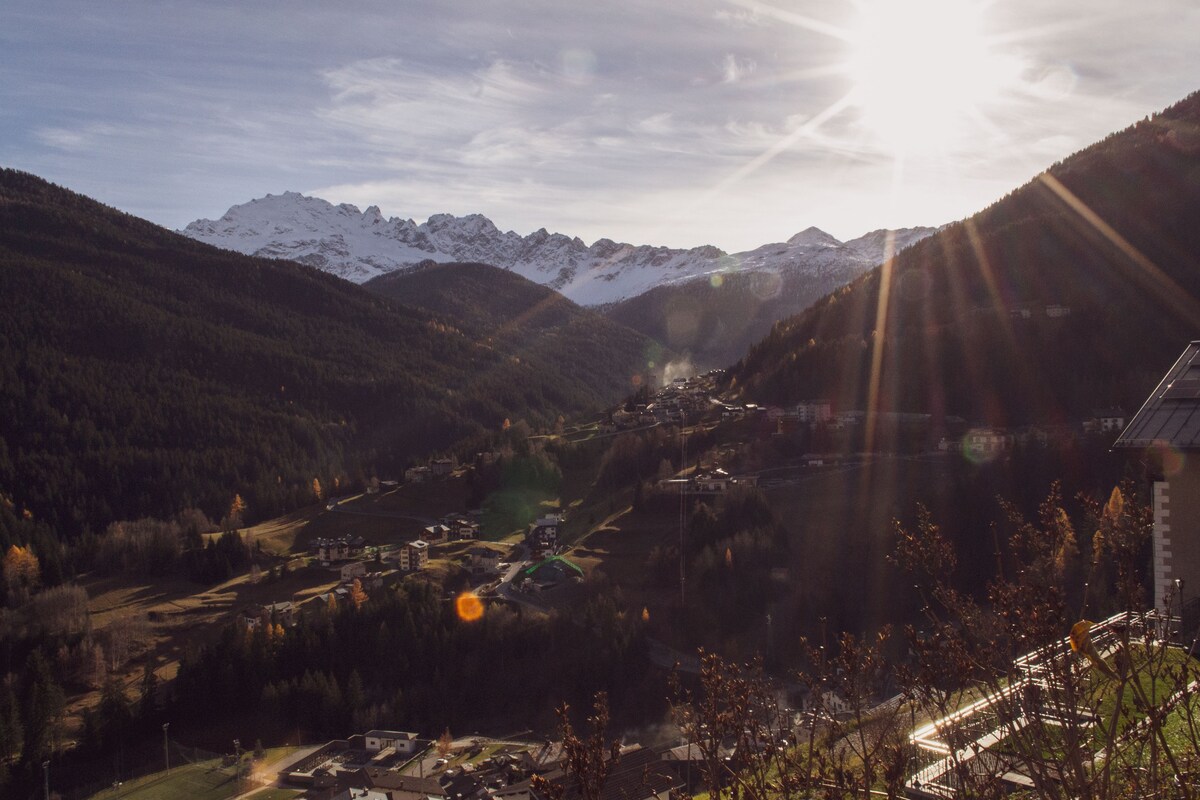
(924, 71)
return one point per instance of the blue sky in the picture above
(653, 122)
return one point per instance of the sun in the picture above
(925, 71)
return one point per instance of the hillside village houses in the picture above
(282, 613)
(397, 765)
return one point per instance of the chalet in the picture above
(414, 556)
(542, 536)
(282, 613)
(986, 442)
(483, 559)
(1108, 420)
(1169, 423)
(355, 569)
(436, 533)
(461, 527)
(814, 411)
(715, 482)
(330, 550)
(441, 467)
(417, 474)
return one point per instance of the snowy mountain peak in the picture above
(359, 245)
(813, 237)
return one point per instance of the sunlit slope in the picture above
(1072, 293)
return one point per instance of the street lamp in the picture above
(166, 748)
(117, 787)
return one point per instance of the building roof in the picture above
(375, 778)
(638, 774)
(531, 571)
(1171, 414)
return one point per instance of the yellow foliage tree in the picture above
(237, 508)
(316, 489)
(357, 595)
(22, 570)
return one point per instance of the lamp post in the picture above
(237, 762)
(166, 748)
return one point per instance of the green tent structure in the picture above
(552, 568)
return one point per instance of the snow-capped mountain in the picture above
(359, 245)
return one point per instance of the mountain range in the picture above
(360, 245)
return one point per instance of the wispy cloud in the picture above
(593, 119)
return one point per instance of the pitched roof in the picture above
(1171, 414)
(639, 773)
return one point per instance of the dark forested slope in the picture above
(525, 320)
(1107, 240)
(142, 372)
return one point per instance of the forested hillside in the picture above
(1075, 292)
(142, 373)
(528, 321)
(716, 322)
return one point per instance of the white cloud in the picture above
(650, 120)
(734, 68)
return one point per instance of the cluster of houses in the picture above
(453, 527)
(397, 765)
(435, 468)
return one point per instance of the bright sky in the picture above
(732, 123)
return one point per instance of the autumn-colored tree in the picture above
(22, 572)
(316, 489)
(236, 510)
(357, 595)
(587, 760)
(445, 743)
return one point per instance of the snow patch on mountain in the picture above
(359, 245)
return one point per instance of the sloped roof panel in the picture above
(1171, 414)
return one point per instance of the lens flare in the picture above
(766, 284)
(1173, 459)
(716, 280)
(468, 607)
(982, 446)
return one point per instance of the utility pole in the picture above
(166, 748)
(237, 762)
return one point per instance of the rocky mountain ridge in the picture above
(360, 245)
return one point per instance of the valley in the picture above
(245, 500)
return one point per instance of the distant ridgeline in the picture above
(1070, 294)
(142, 372)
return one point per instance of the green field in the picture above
(206, 780)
